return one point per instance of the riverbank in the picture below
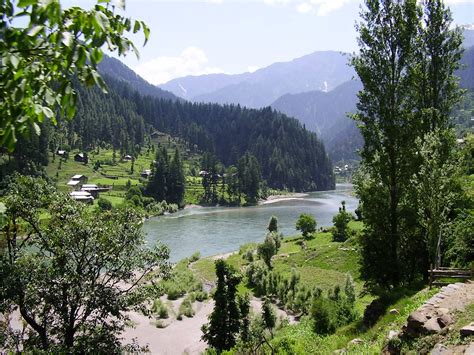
(283, 197)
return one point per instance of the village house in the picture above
(91, 189)
(146, 173)
(82, 196)
(77, 181)
(81, 158)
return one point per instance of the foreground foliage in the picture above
(74, 276)
(40, 59)
(408, 56)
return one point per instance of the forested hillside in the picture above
(289, 156)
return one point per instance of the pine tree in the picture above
(176, 180)
(224, 321)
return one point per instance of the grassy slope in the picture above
(324, 264)
(61, 171)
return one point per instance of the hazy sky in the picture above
(194, 37)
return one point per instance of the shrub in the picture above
(186, 308)
(323, 313)
(195, 257)
(174, 292)
(201, 296)
(104, 204)
(160, 308)
(306, 224)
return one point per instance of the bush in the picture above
(306, 224)
(195, 257)
(104, 204)
(174, 292)
(201, 296)
(160, 309)
(323, 313)
(186, 308)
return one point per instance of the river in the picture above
(217, 230)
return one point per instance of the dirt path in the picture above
(180, 336)
(453, 297)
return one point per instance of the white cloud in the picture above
(191, 61)
(252, 68)
(324, 7)
(304, 8)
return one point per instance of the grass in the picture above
(305, 341)
(61, 170)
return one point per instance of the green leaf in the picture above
(25, 3)
(66, 39)
(136, 27)
(97, 55)
(101, 21)
(14, 60)
(35, 30)
(146, 32)
(37, 128)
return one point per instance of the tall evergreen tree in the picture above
(249, 176)
(176, 181)
(157, 186)
(224, 321)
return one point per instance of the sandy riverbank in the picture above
(279, 198)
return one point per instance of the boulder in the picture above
(439, 349)
(393, 334)
(431, 326)
(415, 322)
(467, 330)
(444, 319)
(356, 341)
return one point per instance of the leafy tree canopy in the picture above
(39, 59)
(306, 224)
(73, 276)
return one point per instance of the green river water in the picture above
(216, 230)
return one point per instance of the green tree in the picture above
(104, 204)
(273, 224)
(341, 222)
(224, 321)
(269, 248)
(39, 59)
(73, 277)
(306, 224)
(408, 55)
(176, 181)
(158, 184)
(436, 187)
(249, 176)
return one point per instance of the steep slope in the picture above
(466, 73)
(326, 113)
(289, 155)
(317, 71)
(116, 69)
(468, 34)
(191, 86)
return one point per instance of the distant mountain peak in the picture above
(119, 71)
(321, 70)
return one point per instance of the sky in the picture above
(195, 37)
